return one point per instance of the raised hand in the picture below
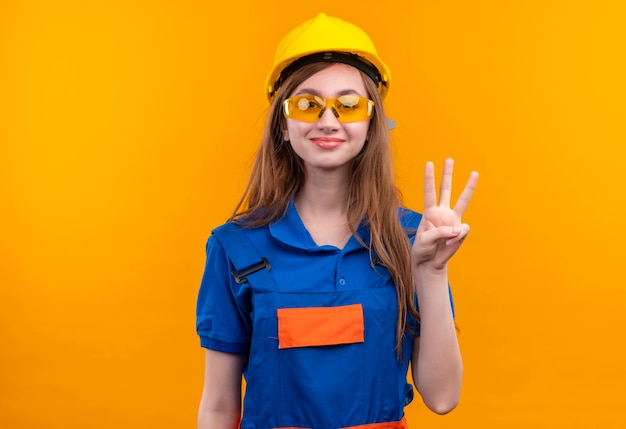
(441, 232)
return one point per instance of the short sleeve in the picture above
(223, 308)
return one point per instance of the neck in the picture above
(322, 204)
(323, 195)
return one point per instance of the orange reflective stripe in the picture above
(320, 326)
(402, 424)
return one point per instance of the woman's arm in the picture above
(220, 406)
(436, 362)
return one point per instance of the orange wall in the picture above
(126, 133)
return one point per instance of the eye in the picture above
(347, 102)
(308, 102)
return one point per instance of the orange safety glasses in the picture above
(346, 108)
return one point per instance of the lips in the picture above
(327, 142)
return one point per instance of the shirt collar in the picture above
(290, 230)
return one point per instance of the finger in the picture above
(441, 233)
(430, 195)
(465, 229)
(466, 195)
(446, 183)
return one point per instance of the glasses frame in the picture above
(326, 103)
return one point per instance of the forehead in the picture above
(334, 80)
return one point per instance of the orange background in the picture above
(126, 133)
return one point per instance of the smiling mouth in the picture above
(327, 142)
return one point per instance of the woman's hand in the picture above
(441, 232)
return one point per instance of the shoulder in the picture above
(234, 228)
(239, 240)
(409, 219)
(223, 235)
(226, 228)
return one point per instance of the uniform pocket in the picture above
(320, 326)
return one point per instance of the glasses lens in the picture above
(352, 108)
(305, 107)
(347, 108)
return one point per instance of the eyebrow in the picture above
(339, 94)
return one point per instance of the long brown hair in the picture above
(278, 173)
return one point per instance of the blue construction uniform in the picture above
(317, 324)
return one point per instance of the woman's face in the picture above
(328, 144)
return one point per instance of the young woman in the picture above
(321, 289)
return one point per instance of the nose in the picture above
(328, 120)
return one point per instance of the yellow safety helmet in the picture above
(326, 39)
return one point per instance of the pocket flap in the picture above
(320, 326)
